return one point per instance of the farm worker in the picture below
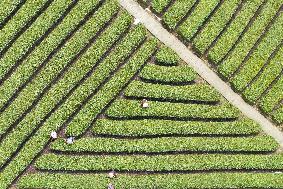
(70, 140)
(144, 103)
(112, 174)
(110, 186)
(53, 135)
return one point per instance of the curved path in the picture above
(200, 67)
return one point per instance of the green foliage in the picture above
(242, 48)
(269, 73)
(131, 108)
(176, 12)
(198, 92)
(235, 135)
(104, 70)
(59, 61)
(35, 144)
(21, 46)
(191, 25)
(278, 115)
(167, 57)
(13, 140)
(170, 144)
(149, 181)
(86, 115)
(6, 7)
(164, 74)
(27, 11)
(150, 127)
(215, 25)
(273, 97)
(230, 36)
(179, 162)
(260, 56)
(221, 138)
(36, 58)
(239, 37)
(159, 5)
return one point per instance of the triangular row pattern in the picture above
(187, 135)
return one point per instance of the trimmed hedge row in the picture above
(167, 57)
(6, 7)
(176, 12)
(42, 51)
(149, 181)
(252, 67)
(159, 5)
(132, 108)
(191, 25)
(75, 73)
(21, 46)
(98, 102)
(39, 140)
(228, 50)
(190, 162)
(59, 61)
(269, 73)
(28, 124)
(169, 144)
(172, 74)
(52, 97)
(215, 25)
(232, 34)
(26, 12)
(104, 70)
(36, 143)
(235, 58)
(278, 115)
(151, 127)
(198, 92)
(273, 97)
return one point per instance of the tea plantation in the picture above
(242, 40)
(90, 99)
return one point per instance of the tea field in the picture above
(121, 102)
(242, 41)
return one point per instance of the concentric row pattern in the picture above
(241, 39)
(81, 68)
